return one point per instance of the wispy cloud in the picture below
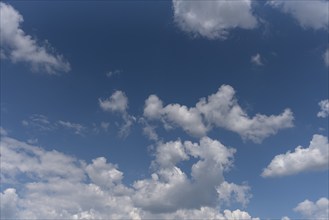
(18, 46)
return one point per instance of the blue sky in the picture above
(166, 109)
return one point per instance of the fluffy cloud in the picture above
(309, 14)
(54, 185)
(17, 46)
(317, 210)
(326, 57)
(170, 189)
(256, 60)
(324, 105)
(118, 102)
(314, 157)
(220, 110)
(213, 19)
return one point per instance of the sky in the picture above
(164, 109)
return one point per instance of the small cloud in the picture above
(324, 105)
(257, 60)
(118, 103)
(112, 73)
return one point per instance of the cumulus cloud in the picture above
(326, 57)
(213, 19)
(309, 14)
(317, 210)
(57, 186)
(18, 46)
(118, 102)
(171, 189)
(256, 60)
(8, 204)
(315, 157)
(218, 110)
(324, 106)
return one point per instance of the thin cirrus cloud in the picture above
(309, 14)
(313, 158)
(217, 110)
(18, 46)
(213, 19)
(74, 183)
(314, 210)
(41, 123)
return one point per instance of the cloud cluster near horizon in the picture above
(73, 183)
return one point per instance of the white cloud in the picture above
(256, 60)
(315, 157)
(316, 210)
(170, 189)
(8, 204)
(238, 214)
(220, 110)
(285, 218)
(77, 128)
(324, 105)
(309, 14)
(57, 186)
(326, 57)
(17, 46)
(213, 19)
(118, 102)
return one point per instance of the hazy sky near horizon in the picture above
(164, 109)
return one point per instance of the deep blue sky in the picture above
(153, 55)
